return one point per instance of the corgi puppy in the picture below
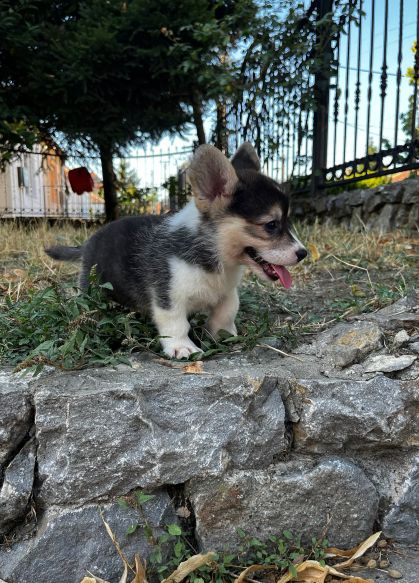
(193, 260)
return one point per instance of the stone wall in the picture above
(325, 438)
(386, 207)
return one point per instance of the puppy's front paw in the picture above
(179, 347)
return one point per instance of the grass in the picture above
(44, 320)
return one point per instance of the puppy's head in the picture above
(249, 210)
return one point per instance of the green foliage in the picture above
(111, 73)
(178, 196)
(175, 545)
(69, 329)
(131, 198)
(407, 118)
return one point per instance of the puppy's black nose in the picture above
(301, 253)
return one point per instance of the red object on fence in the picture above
(80, 180)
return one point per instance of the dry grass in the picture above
(23, 262)
(370, 257)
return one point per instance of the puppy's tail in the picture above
(64, 253)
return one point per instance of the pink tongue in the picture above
(283, 274)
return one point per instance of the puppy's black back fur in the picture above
(133, 254)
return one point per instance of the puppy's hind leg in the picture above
(223, 315)
(174, 326)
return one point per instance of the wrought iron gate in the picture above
(354, 117)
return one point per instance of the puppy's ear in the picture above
(212, 178)
(246, 158)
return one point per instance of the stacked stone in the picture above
(325, 440)
(386, 207)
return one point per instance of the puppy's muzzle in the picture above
(301, 254)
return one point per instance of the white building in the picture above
(33, 185)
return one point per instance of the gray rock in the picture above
(346, 344)
(390, 193)
(386, 207)
(386, 217)
(401, 338)
(411, 191)
(356, 218)
(414, 347)
(358, 197)
(319, 204)
(297, 495)
(402, 216)
(403, 314)
(16, 414)
(360, 415)
(413, 220)
(17, 488)
(408, 374)
(339, 206)
(389, 363)
(402, 521)
(374, 203)
(102, 433)
(71, 542)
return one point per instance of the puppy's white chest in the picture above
(201, 289)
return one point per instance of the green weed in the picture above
(173, 546)
(69, 329)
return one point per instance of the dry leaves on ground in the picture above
(193, 368)
(314, 572)
(309, 571)
(188, 566)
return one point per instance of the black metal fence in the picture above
(356, 115)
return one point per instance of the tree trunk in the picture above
(197, 117)
(221, 128)
(109, 183)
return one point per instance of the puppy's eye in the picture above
(272, 226)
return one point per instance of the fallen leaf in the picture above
(350, 578)
(15, 275)
(310, 571)
(357, 291)
(183, 512)
(243, 575)
(95, 579)
(335, 552)
(314, 252)
(140, 574)
(361, 549)
(188, 566)
(86, 580)
(193, 367)
(313, 572)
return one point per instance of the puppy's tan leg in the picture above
(174, 325)
(223, 315)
